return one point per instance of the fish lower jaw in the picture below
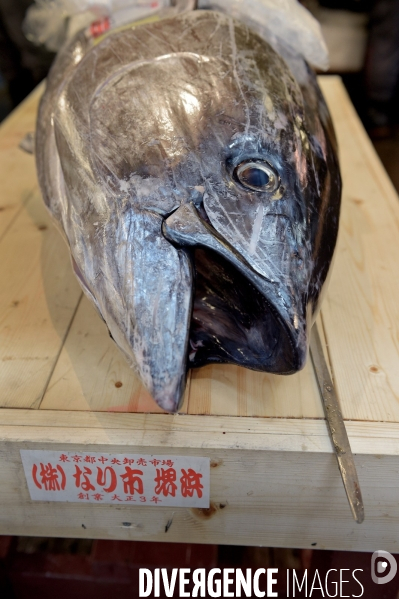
(233, 322)
(169, 395)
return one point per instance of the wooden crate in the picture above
(274, 477)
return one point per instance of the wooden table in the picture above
(274, 477)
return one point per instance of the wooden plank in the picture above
(38, 294)
(235, 391)
(359, 314)
(261, 494)
(17, 168)
(89, 365)
(92, 373)
(275, 481)
(361, 311)
(38, 297)
(194, 432)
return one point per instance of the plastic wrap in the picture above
(280, 22)
(283, 23)
(52, 22)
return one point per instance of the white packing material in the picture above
(283, 23)
(52, 22)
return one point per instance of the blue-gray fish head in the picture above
(199, 191)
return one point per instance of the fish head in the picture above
(210, 219)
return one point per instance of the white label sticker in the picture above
(130, 479)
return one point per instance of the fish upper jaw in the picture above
(186, 228)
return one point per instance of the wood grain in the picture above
(189, 432)
(17, 168)
(361, 311)
(275, 482)
(38, 297)
(38, 293)
(92, 374)
(234, 391)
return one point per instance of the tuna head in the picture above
(199, 193)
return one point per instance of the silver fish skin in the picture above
(138, 143)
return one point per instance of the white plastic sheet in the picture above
(51, 22)
(282, 23)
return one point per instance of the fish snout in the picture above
(273, 336)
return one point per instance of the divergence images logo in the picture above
(385, 565)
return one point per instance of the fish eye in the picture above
(257, 175)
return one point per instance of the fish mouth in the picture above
(232, 322)
(238, 316)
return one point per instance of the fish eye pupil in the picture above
(256, 175)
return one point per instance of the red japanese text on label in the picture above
(89, 477)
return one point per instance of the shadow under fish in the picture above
(193, 171)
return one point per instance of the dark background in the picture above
(85, 569)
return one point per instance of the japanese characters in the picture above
(121, 478)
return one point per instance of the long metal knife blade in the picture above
(336, 427)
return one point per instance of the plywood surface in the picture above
(274, 481)
(361, 311)
(55, 353)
